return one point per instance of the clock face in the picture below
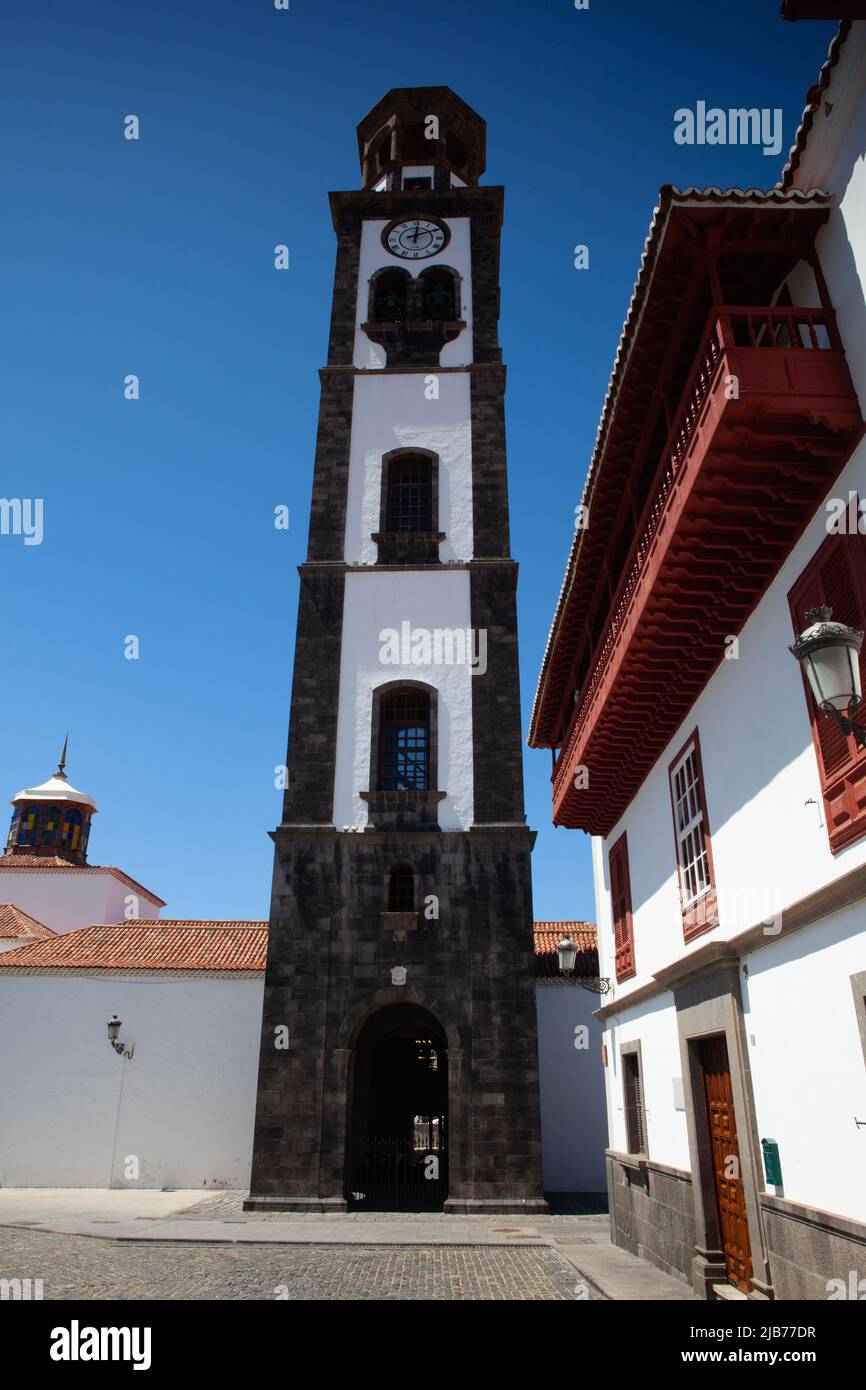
(416, 239)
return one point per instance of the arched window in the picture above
(410, 494)
(404, 741)
(71, 833)
(415, 146)
(389, 296)
(401, 889)
(438, 294)
(29, 834)
(382, 152)
(51, 826)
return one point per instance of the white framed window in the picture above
(690, 827)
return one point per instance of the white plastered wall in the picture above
(73, 1112)
(807, 1062)
(64, 899)
(394, 412)
(375, 602)
(573, 1125)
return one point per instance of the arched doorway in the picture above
(398, 1113)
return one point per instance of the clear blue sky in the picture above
(156, 257)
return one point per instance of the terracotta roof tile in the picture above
(813, 104)
(548, 936)
(172, 944)
(149, 944)
(15, 923)
(50, 863)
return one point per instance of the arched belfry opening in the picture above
(398, 1112)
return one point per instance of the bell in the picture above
(439, 303)
(390, 306)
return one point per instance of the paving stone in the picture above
(79, 1267)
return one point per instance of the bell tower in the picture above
(398, 1062)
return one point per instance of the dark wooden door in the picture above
(724, 1159)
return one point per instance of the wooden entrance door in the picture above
(724, 1157)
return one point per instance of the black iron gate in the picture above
(391, 1174)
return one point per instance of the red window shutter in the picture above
(620, 893)
(836, 576)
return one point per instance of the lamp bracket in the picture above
(595, 984)
(846, 721)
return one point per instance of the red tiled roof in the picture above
(51, 863)
(149, 944)
(547, 937)
(152, 944)
(15, 923)
(813, 104)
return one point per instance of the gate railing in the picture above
(391, 1174)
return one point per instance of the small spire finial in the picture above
(62, 764)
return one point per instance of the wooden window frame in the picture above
(835, 783)
(412, 505)
(699, 914)
(396, 456)
(623, 927)
(380, 693)
(632, 1051)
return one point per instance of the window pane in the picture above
(405, 742)
(410, 499)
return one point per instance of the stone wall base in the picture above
(809, 1248)
(495, 1206)
(318, 1204)
(813, 1255)
(652, 1214)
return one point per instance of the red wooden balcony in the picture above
(766, 421)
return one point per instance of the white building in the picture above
(728, 815)
(179, 1111)
(573, 1126)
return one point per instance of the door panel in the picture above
(724, 1158)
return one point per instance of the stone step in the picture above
(729, 1294)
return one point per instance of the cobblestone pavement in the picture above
(80, 1267)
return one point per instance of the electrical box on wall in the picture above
(772, 1163)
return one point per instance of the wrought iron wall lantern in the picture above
(829, 653)
(114, 1026)
(567, 952)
